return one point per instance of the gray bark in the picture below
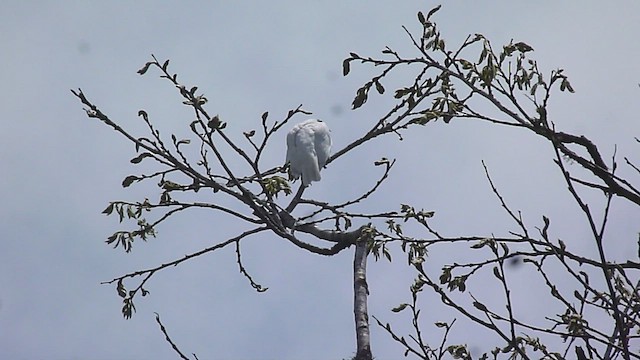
(360, 293)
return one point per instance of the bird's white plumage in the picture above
(308, 148)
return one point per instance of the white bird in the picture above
(308, 147)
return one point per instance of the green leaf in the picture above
(399, 308)
(108, 210)
(144, 69)
(346, 67)
(496, 273)
(483, 55)
(433, 11)
(505, 248)
(563, 246)
(565, 85)
(402, 92)
(421, 18)
(111, 239)
(275, 184)
(479, 245)
(466, 65)
(128, 308)
(249, 134)
(480, 306)
(170, 185)
(522, 47)
(122, 292)
(129, 180)
(139, 158)
(361, 97)
(215, 123)
(488, 73)
(462, 286)
(386, 253)
(347, 223)
(446, 276)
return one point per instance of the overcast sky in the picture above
(59, 169)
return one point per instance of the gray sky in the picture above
(58, 169)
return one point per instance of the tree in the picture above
(598, 297)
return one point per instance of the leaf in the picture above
(483, 55)
(566, 85)
(399, 308)
(139, 158)
(496, 273)
(421, 18)
(347, 223)
(379, 88)
(129, 180)
(563, 246)
(108, 210)
(433, 11)
(478, 245)
(183, 141)
(214, 123)
(264, 116)
(122, 292)
(249, 134)
(128, 308)
(386, 254)
(346, 67)
(361, 97)
(505, 248)
(402, 92)
(273, 185)
(164, 66)
(143, 114)
(462, 286)
(111, 239)
(144, 69)
(170, 185)
(446, 276)
(480, 306)
(466, 65)
(522, 47)
(488, 73)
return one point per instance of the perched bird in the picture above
(308, 146)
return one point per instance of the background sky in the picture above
(59, 169)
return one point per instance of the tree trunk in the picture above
(360, 293)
